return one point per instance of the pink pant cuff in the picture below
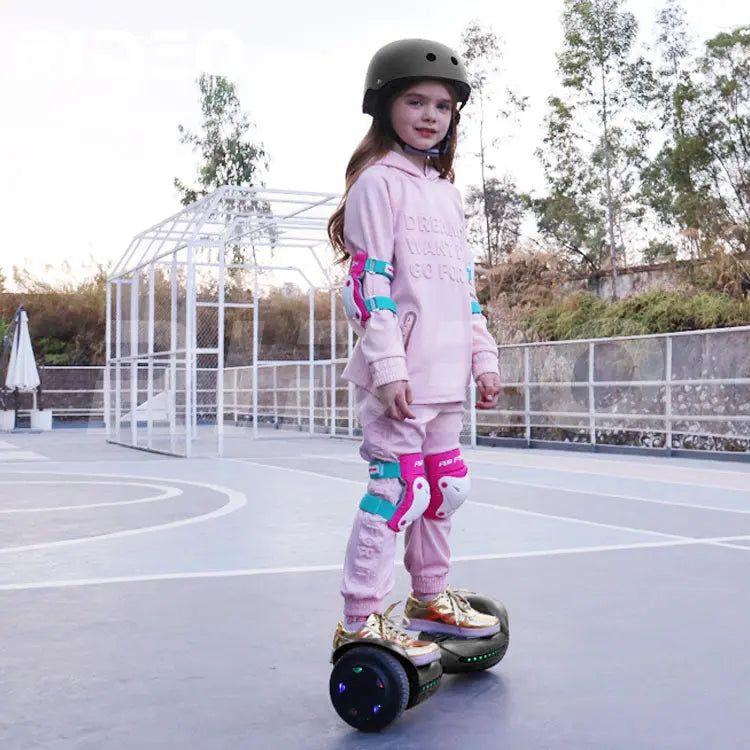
(361, 607)
(429, 584)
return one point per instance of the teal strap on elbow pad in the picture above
(379, 266)
(470, 271)
(476, 308)
(380, 303)
(385, 470)
(377, 506)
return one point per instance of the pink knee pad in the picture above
(449, 483)
(415, 493)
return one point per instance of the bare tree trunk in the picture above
(484, 197)
(607, 170)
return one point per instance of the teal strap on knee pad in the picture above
(385, 470)
(476, 308)
(377, 506)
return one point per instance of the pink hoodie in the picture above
(414, 221)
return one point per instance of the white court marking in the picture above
(21, 455)
(236, 501)
(167, 493)
(595, 493)
(202, 575)
(519, 511)
(692, 476)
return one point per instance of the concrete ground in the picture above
(154, 602)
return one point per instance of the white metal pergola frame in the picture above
(200, 235)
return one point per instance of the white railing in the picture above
(670, 392)
(676, 391)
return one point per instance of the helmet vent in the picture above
(431, 57)
(454, 61)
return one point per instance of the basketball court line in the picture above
(596, 493)
(250, 572)
(236, 500)
(11, 456)
(166, 494)
(493, 506)
(307, 472)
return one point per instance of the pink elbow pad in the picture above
(357, 307)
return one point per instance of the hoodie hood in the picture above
(399, 161)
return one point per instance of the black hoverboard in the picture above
(373, 682)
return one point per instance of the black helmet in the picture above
(408, 59)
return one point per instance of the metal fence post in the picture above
(473, 412)
(299, 398)
(592, 399)
(526, 396)
(275, 395)
(668, 396)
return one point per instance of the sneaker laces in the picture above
(460, 607)
(388, 628)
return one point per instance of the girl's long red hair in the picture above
(376, 144)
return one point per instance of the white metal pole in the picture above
(526, 395)
(350, 389)
(326, 414)
(473, 411)
(106, 385)
(299, 397)
(150, 378)
(274, 371)
(256, 347)
(333, 358)
(172, 389)
(668, 396)
(118, 366)
(134, 319)
(220, 346)
(592, 397)
(311, 359)
(190, 356)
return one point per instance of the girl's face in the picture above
(421, 115)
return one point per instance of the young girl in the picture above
(410, 297)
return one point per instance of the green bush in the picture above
(583, 315)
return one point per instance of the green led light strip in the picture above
(481, 657)
(429, 685)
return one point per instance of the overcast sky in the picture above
(92, 96)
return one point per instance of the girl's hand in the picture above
(488, 384)
(396, 398)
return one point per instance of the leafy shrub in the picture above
(582, 315)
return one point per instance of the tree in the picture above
(229, 157)
(605, 88)
(667, 186)
(569, 214)
(495, 210)
(717, 117)
(494, 206)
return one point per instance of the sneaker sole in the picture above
(418, 661)
(430, 626)
(421, 661)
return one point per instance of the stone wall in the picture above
(633, 280)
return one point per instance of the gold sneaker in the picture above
(381, 626)
(449, 613)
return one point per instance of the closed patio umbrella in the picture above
(22, 373)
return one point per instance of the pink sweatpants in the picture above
(371, 552)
